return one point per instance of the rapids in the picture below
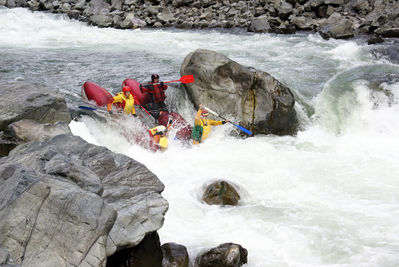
(325, 197)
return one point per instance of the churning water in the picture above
(326, 197)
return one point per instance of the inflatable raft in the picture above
(94, 93)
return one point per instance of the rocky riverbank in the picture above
(331, 18)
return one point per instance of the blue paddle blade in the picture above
(243, 129)
(87, 108)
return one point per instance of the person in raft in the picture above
(157, 92)
(125, 98)
(158, 139)
(203, 126)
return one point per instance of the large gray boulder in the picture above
(30, 130)
(259, 24)
(66, 202)
(26, 101)
(50, 222)
(337, 27)
(252, 97)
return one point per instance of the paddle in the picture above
(183, 79)
(93, 109)
(238, 126)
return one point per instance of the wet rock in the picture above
(375, 40)
(26, 101)
(74, 14)
(41, 216)
(220, 193)
(5, 259)
(116, 5)
(259, 24)
(284, 10)
(174, 255)
(132, 22)
(98, 7)
(253, 97)
(302, 23)
(226, 255)
(29, 130)
(390, 29)
(334, 2)
(336, 26)
(166, 16)
(388, 51)
(366, 16)
(101, 20)
(6, 146)
(73, 203)
(11, 4)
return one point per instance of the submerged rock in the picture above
(226, 255)
(220, 193)
(174, 255)
(387, 51)
(253, 97)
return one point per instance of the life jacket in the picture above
(206, 125)
(156, 140)
(126, 102)
(157, 92)
(197, 132)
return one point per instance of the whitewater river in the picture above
(326, 197)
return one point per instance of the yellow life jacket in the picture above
(127, 101)
(206, 124)
(162, 141)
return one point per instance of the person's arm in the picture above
(149, 88)
(212, 122)
(110, 102)
(163, 86)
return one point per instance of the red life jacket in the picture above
(157, 91)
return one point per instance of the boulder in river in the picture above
(227, 255)
(252, 97)
(174, 255)
(220, 193)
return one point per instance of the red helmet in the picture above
(204, 112)
(126, 89)
(154, 76)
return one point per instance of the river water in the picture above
(326, 197)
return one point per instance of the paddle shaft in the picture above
(238, 126)
(93, 109)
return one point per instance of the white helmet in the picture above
(161, 129)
